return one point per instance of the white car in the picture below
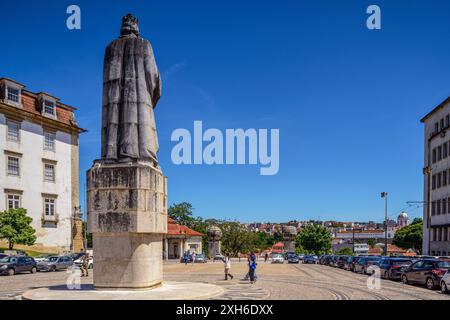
(79, 262)
(277, 258)
(445, 282)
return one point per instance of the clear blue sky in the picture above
(347, 100)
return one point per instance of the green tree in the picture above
(15, 227)
(344, 252)
(182, 213)
(371, 243)
(314, 239)
(410, 236)
(236, 238)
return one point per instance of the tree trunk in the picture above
(10, 245)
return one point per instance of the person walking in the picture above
(185, 258)
(193, 257)
(85, 265)
(252, 268)
(227, 265)
(239, 256)
(266, 257)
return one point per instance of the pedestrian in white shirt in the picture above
(227, 264)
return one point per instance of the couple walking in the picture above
(251, 261)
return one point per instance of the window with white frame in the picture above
(49, 172)
(49, 107)
(13, 131)
(49, 141)
(13, 201)
(49, 207)
(12, 94)
(13, 166)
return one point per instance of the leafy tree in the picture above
(182, 213)
(410, 236)
(344, 252)
(371, 243)
(314, 239)
(15, 227)
(236, 238)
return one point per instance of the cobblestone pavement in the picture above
(275, 281)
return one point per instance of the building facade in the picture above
(436, 210)
(39, 162)
(180, 239)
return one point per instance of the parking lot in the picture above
(275, 281)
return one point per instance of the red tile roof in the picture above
(177, 229)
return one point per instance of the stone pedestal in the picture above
(127, 215)
(289, 245)
(214, 248)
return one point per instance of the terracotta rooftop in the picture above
(174, 228)
(64, 113)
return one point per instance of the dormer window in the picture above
(12, 94)
(49, 108)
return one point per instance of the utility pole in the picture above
(353, 229)
(384, 195)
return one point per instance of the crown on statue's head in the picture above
(130, 25)
(130, 18)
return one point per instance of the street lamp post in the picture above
(384, 195)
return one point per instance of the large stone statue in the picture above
(126, 189)
(131, 89)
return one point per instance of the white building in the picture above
(436, 213)
(365, 234)
(402, 220)
(39, 162)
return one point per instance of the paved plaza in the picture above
(275, 281)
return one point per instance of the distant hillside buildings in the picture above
(343, 232)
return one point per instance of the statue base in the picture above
(168, 291)
(127, 216)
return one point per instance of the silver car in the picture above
(54, 263)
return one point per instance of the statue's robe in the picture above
(131, 89)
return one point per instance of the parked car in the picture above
(365, 264)
(42, 257)
(333, 261)
(76, 256)
(391, 268)
(328, 259)
(309, 258)
(445, 282)
(219, 257)
(350, 263)
(3, 255)
(79, 262)
(55, 263)
(200, 258)
(11, 265)
(277, 258)
(322, 258)
(293, 258)
(427, 272)
(301, 256)
(340, 263)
